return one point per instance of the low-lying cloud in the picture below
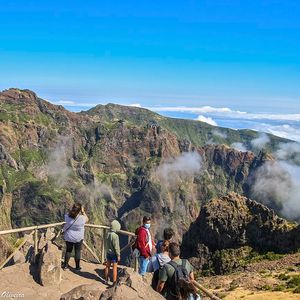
(282, 125)
(234, 114)
(196, 110)
(278, 181)
(207, 120)
(57, 165)
(181, 168)
(261, 141)
(289, 152)
(94, 192)
(239, 146)
(285, 131)
(220, 134)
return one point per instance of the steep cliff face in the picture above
(120, 162)
(236, 225)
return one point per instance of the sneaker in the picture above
(65, 267)
(78, 268)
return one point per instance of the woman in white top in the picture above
(74, 233)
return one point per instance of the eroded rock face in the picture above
(49, 269)
(232, 223)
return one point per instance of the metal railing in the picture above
(34, 232)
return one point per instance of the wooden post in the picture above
(91, 251)
(17, 249)
(136, 264)
(103, 254)
(205, 291)
(36, 250)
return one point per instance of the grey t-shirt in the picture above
(76, 232)
(167, 271)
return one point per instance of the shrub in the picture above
(266, 287)
(284, 276)
(279, 288)
(294, 281)
(297, 290)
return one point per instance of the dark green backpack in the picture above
(179, 273)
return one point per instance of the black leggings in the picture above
(69, 250)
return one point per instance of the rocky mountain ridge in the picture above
(119, 161)
(229, 229)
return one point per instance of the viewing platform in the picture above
(23, 279)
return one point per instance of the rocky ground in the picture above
(87, 283)
(278, 279)
(266, 280)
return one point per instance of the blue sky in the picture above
(244, 55)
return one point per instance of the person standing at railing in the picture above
(74, 233)
(144, 245)
(112, 246)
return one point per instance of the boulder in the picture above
(129, 286)
(18, 258)
(46, 237)
(85, 291)
(49, 267)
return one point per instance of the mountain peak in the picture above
(16, 93)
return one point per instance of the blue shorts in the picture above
(112, 258)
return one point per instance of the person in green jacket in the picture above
(112, 250)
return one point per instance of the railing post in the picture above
(103, 254)
(35, 244)
(2, 265)
(91, 251)
(136, 264)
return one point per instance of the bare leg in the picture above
(115, 272)
(106, 273)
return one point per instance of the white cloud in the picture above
(234, 114)
(175, 170)
(219, 134)
(57, 165)
(136, 105)
(62, 102)
(200, 110)
(285, 131)
(278, 182)
(74, 104)
(239, 146)
(282, 125)
(261, 141)
(289, 152)
(207, 120)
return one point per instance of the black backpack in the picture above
(180, 273)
